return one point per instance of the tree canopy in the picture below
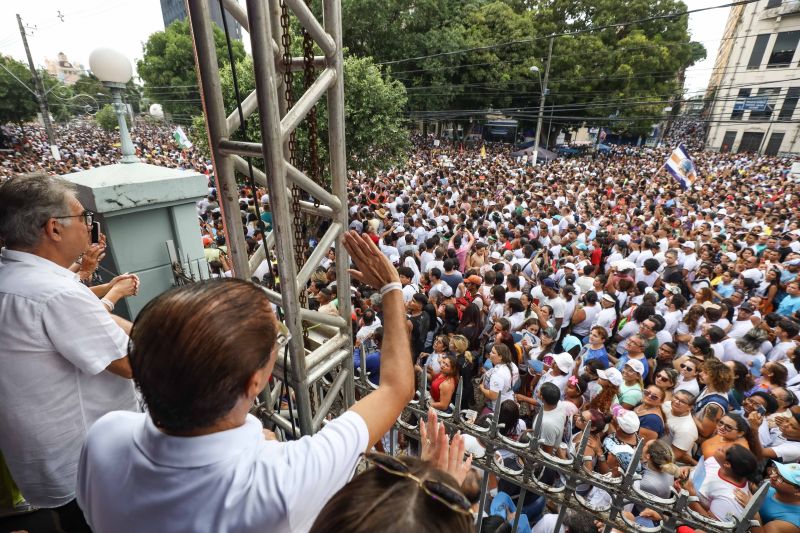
(17, 104)
(168, 70)
(462, 58)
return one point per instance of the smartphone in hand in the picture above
(95, 232)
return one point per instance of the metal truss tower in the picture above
(322, 372)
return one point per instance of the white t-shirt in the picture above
(501, 379)
(681, 430)
(57, 340)
(553, 422)
(133, 477)
(717, 495)
(606, 318)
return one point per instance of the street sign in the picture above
(753, 103)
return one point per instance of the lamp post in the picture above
(543, 85)
(114, 70)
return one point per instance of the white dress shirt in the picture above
(133, 477)
(57, 341)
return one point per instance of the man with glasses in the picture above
(681, 429)
(63, 360)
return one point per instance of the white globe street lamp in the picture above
(115, 71)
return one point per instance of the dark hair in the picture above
(405, 271)
(551, 394)
(789, 326)
(509, 417)
(651, 264)
(191, 371)
(515, 305)
(590, 297)
(744, 464)
(743, 380)
(715, 334)
(770, 399)
(744, 426)
(378, 500)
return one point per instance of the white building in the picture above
(755, 87)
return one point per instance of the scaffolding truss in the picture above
(319, 370)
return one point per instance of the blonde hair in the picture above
(662, 457)
(459, 345)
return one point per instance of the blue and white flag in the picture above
(681, 167)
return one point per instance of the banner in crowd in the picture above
(681, 167)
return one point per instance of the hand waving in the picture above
(445, 454)
(375, 269)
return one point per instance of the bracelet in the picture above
(108, 303)
(393, 286)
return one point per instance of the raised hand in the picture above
(374, 268)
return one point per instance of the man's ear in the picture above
(258, 380)
(53, 229)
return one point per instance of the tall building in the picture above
(754, 89)
(64, 70)
(172, 10)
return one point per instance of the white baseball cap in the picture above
(612, 375)
(564, 362)
(628, 422)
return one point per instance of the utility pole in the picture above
(41, 96)
(541, 101)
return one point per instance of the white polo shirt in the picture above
(133, 477)
(57, 340)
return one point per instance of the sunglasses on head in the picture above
(441, 492)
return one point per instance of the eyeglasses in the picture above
(652, 395)
(773, 473)
(441, 492)
(88, 217)
(687, 367)
(726, 427)
(675, 400)
(662, 377)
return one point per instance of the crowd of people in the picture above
(594, 291)
(598, 291)
(83, 145)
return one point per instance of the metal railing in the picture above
(674, 511)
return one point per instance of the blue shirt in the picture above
(600, 354)
(789, 305)
(772, 509)
(725, 290)
(373, 365)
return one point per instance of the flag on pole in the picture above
(181, 138)
(681, 167)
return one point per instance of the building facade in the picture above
(172, 10)
(755, 87)
(63, 70)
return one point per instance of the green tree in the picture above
(168, 70)
(17, 103)
(375, 126)
(474, 55)
(107, 119)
